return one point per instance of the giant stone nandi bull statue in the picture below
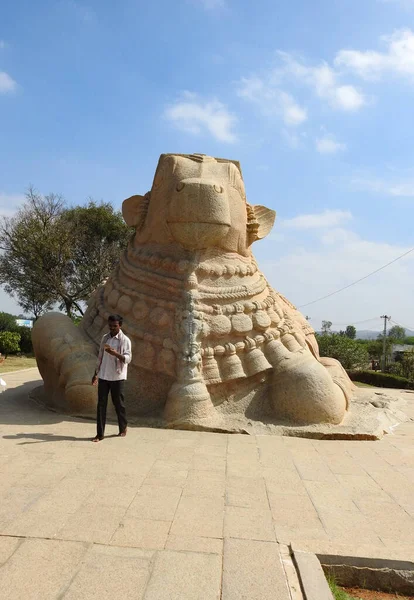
(212, 342)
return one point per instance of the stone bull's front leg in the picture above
(66, 361)
(302, 390)
(189, 404)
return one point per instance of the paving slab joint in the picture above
(292, 579)
(87, 547)
(311, 576)
(21, 541)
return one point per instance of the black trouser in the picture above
(117, 394)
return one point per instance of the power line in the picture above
(357, 322)
(399, 325)
(357, 281)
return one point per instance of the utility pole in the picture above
(384, 341)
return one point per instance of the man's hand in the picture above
(95, 380)
(111, 351)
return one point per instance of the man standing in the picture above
(111, 369)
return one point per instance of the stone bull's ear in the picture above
(260, 221)
(134, 210)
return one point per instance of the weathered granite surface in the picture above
(214, 346)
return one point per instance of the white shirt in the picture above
(110, 368)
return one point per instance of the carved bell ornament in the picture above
(254, 360)
(230, 364)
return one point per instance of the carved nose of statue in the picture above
(199, 214)
(197, 200)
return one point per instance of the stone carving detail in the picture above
(205, 324)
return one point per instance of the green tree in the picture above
(397, 333)
(408, 365)
(33, 300)
(350, 353)
(99, 234)
(326, 327)
(389, 341)
(58, 255)
(350, 332)
(375, 349)
(8, 322)
(404, 366)
(34, 244)
(26, 345)
(9, 342)
(409, 340)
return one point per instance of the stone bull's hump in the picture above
(210, 336)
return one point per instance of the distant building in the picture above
(399, 350)
(24, 323)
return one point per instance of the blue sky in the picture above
(314, 98)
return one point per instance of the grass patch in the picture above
(338, 593)
(380, 379)
(16, 363)
(363, 385)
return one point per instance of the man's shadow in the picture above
(42, 438)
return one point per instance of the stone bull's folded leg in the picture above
(302, 390)
(66, 362)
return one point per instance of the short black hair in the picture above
(115, 318)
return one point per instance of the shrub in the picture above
(350, 353)
(26, 345)
(9, 342)
(8, 322)
(378, 379)
(403, 366)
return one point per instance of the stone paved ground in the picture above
(165, 514)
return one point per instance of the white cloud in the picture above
(347, 97)
(10, 203)
(328, 145)
(292, 113)
(267, 90)
(254, 89)
(398, 189)
(271, 100)
(2, 44)
(324, 80)
(328, 218)
(313, 263)
(7, 84)
(194, 115)
(398, 57)
(338, 235)
(402, 190)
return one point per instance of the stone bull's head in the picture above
(198, 202)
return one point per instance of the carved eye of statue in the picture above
(218, 188)
(180, 186)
